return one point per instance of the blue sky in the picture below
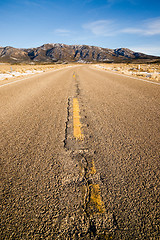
(133, 24)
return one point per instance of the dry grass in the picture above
(14, 71)
(146, 71)
(8, 68)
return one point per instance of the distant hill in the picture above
(49, 53)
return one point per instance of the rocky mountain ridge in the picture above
(50, 53)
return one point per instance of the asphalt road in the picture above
(102, 183)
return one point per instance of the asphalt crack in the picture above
(92, 219)
(67, 123)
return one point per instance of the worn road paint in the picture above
(76, 121)
(93, 169)
(95, 204)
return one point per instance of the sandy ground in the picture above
(145, 71)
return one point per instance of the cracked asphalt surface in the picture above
(105, 186)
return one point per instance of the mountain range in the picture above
(59, 53)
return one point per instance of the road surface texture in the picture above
(79, 156)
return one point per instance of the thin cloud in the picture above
(113, 2)
(34, 3)
(62, 32)
(151, 50)
(149, 27)
(101, 27)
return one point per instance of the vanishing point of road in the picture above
(80, 156)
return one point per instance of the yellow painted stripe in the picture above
(76, 121)
(95, 204)
(93, 169)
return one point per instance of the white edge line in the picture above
(33, 76)
(140, 79)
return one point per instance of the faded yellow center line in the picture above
(95, 199)
(93, 169)
(95, 203)
(76, 121)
